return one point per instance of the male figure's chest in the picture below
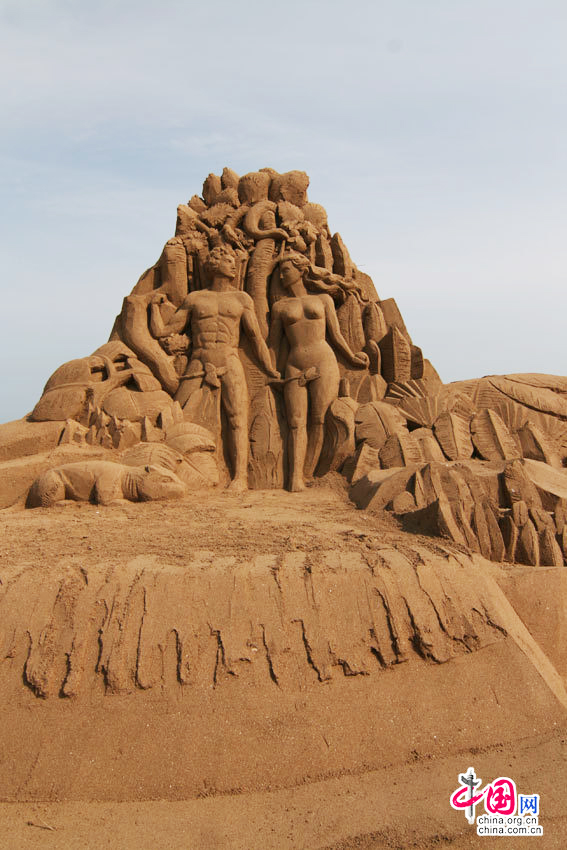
(212, 305)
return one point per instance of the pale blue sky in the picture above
(434, 131)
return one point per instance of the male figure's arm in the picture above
(176, 323)
(252, 331)
(275, 339)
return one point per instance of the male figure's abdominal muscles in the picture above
(221, 335)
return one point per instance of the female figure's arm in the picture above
(336, 337)
(252, 330)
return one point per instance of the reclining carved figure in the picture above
(104, 482)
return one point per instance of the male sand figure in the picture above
(215, 317)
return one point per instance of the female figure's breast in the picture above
(313, 307)
(300, 313)
(305, 325)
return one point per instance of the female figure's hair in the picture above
(318, 279)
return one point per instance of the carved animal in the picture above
(112, 378)
(102, 482)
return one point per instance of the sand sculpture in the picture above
(103, 483)
(255, 358)
(257, 351)
(258, 348)
(253, 324)
(215, 317)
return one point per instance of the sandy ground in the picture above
(224, 522)
(403, 804)
(399, 807)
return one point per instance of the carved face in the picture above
(227, 266)
(222, 263)
(155, 482)
(289, 273)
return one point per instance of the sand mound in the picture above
(305, 642)
(267, 642)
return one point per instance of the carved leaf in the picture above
(453, 435)
(189, 443)
(376, 421)
(422, 411)
(485, 394)
(527, 547)
(259, 436)
(342, 263)
(185, 220)
(518, 487)
(460, 404)
(323, 253)
(211, 187)
(560, 516)
(440, 481)
(517, 417)
(509, 531)
(153, 454)
(350, 322)
(414, 388)
(381, 487)
(498, 547)
(491, 437)
(196, 203)
(229, 178)
(396, 357)
(429, 447)
(437, 519)
(557, 383)
(339, 441)
(265, 466)
(199, 470)
(536, 445)
(371, 388)
(549, 549)
(400, 450)
(375, 327)
(417, 363)
(551, 484)
(188, 437)
(366, 459)
(538, 398)
(513, 415)
(481, 530)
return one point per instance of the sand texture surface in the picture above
(266, 581)
(266, 670)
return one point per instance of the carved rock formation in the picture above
(245, 257)
(254, 353)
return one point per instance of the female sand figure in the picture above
(304, 318)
